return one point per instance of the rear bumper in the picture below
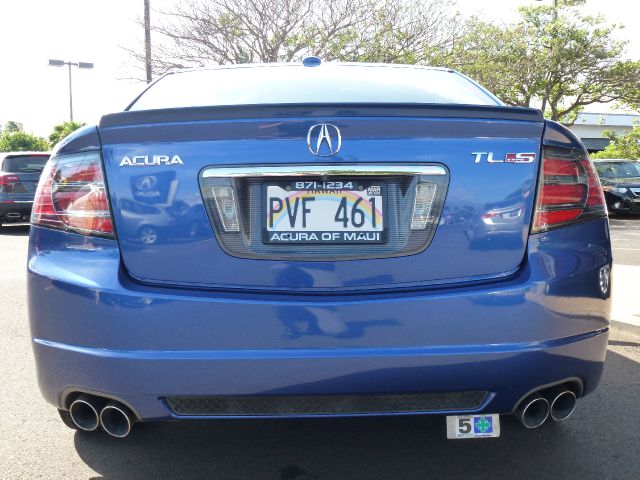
(627, 206)
(145, 381)
(622, 203)
(15, 211)
(95, 330)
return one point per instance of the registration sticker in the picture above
(473, 426)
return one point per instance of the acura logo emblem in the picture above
(146, 183)
(324, 139)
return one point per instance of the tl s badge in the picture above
(150, 160)
(523, 157)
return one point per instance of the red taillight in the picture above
(6, 180)
(568, 190)
(71, 196)
(596, 195)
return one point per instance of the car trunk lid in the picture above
(169, 225)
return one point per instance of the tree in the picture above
(62, 130)
(409, 32)
(624, 146)
(19, 141)
(554, 58)
(500, 58)
(12, 126)
(201, 33)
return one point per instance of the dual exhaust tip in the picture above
(88, 413)
(556, 403)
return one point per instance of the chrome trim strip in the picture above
(303, 170)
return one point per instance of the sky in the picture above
(33, 31)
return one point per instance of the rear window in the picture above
(24, 164)
(618, 169)
(328, 83)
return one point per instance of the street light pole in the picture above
(61, 63)
(70, 95)
(147, 40)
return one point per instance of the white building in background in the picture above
(589, 127)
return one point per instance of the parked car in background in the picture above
(620, 181)
(19, 175)
(319, 239)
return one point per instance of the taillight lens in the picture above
(568, 190)
(71, 196)
(226, 205)
(7, 180)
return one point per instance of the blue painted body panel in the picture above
(481, 309)
(95, 328)
(185, 250)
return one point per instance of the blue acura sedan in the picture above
(319, 239)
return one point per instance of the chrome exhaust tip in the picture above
(533, 411)
(116, 420)
(84, 413)
(563, 403)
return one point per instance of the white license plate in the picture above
(473, 426)
(324, 212)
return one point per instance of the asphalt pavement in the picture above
(625, 237)
(601, 440)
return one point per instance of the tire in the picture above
(65, 416)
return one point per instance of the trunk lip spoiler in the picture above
(231, 112)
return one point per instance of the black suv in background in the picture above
(620, 181)
(19, 175)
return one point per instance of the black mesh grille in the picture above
(325, 404)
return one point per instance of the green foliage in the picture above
(12, 126)
(407, 32)
(62, 130)
(555, 58)
(499, 58)
(624, 146)
(19, 141)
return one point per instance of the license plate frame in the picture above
(473, 426)
(327, 187)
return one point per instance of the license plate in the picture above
(473, 426)
(324, 212)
